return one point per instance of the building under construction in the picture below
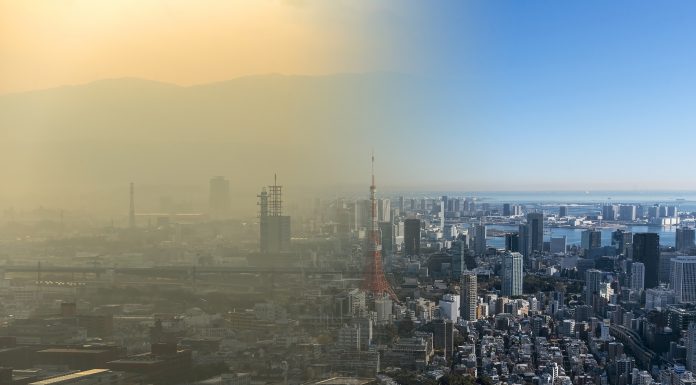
(273, 225)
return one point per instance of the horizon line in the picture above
(192, 85)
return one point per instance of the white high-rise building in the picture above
(683, 280)
(512, 274)
(658, 298)
(469, 296)
(449, 307)
(637, 276)
(383, 307)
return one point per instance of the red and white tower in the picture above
(373, 276)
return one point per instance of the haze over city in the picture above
(347, 192)
(467, 97)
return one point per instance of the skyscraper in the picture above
(535, 221)
(646, 249)
(637, 276)
(685, 238)
(387, 233)
(512, 242)
(591, 239)
(563, 211)
(274, 227)
(384, 210)
(609, 212)
(622, 241)
(558, 244)
(219, 197)
(480, 239)
(512, 274)
(412, 236)
(469, 296)
(627, 213)
(683, 280)
(691, 347)
(523, 240)
(506, 209)
(593, 280)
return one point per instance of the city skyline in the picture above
(347, 192)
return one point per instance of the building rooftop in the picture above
(70, 377)
(343, 381)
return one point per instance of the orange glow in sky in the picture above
(57, 42)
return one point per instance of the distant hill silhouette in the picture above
(309, 129)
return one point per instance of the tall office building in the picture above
(685, 239)
(480, 239)
(523, 240)
(469, 296)
(637, 276)
(627, 213)
(646, 249)
(512, 242)
(441, 214)
(622, 241)
(506, 210)
(273, 225)
(219, 198)
(384, 210)
(609, 212)
(557, 245)
(512, 274)
(690, 342)
(591, 239)
(402, 206)
(412, 236)
(535, 222)
(563, 211)
(443, 336)
(593, 281)
(387, 234)
(683, 280)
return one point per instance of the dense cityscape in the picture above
(381, 289)
(347, 192)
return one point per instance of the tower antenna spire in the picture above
(373, 167)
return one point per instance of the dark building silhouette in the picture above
(622, 241)
(535, 225)
(646, 249)
(387, 234)
(685, 239)
(563, 211)
(412, 236)
(512, 242)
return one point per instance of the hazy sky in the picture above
(521, 95)
(57, 42)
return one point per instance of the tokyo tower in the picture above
(373, 276)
